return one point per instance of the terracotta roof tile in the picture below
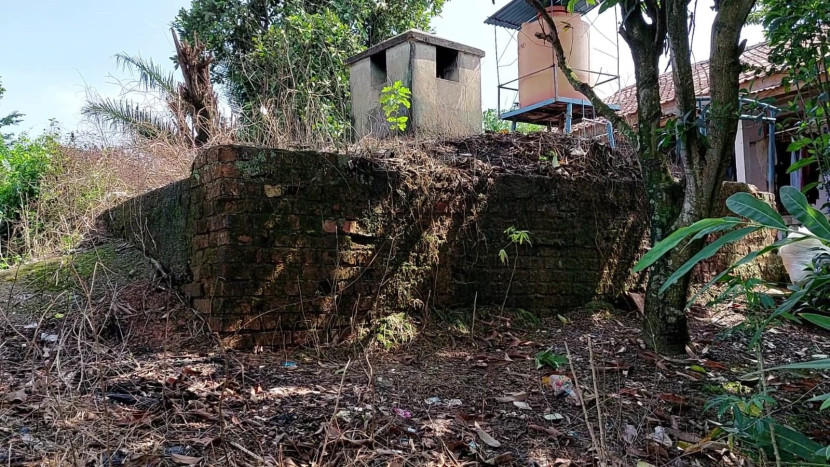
(754, 59)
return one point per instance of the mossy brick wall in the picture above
(159, 222)
(276, 247)
(286, 242)
(585, 236)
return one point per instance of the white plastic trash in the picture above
(798, 256)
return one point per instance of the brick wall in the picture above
(272, 244)
(290, 241)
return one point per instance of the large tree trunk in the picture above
(672, 204)
(665, 327)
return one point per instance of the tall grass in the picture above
(82, 181)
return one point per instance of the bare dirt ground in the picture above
(127, 376)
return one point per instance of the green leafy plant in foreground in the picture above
(515, 237)
(550, 359)
(749, 425)
(393, 99)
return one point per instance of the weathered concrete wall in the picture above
(440, 107)
(445, 107)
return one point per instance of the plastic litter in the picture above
(798, 257)
(49, 338)
(289, 364)
(433, 400)
(660, 436)
(561, 385)
(402, 413)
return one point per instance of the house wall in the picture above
(752, 154)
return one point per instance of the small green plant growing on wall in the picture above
(394, 99)
(515, 238)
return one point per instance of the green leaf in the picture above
(797, 205)
(795, 443)
(744, 204)
(801, 163)
(809, 187)
(550, 359)
(824, 399)
(822, 364)
(707, 252)
(821, 321)
(799, 144)
(503, 256)
(746, 259)
(666, 245)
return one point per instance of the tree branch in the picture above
(604, 109)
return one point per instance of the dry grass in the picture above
(85, 180)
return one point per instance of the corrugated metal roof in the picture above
(512, 15)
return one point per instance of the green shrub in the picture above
(23, 164)
(748, 418)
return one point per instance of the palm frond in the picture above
(127, 115)
(150, 75)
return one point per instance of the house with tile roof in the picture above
(761, 156)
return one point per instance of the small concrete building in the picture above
(444, 77)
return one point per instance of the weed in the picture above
(515, 238)
(546, 358)
(394, 99)
(395, 330)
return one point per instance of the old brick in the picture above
(273, 191)
(201, 241)
(329, 226)
(202, 305)
(193, 290)
(227, 170)
(226, 154)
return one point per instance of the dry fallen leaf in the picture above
(513, 397)
(185, 460)
(488, 440)
(629, 434)
(505, 458)
(17, 397)
(522, 405)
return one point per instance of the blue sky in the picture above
(53, 50)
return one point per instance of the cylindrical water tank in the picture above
(538, 80)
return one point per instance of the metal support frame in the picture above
(609, 128)
(511, 17)
(568, 118)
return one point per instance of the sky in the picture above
(55, 51)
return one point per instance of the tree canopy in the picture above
(284, 61)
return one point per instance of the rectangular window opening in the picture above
(446, 63)
(377, 63)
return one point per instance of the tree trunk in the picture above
(665, 327)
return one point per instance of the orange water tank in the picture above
(537, 80)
